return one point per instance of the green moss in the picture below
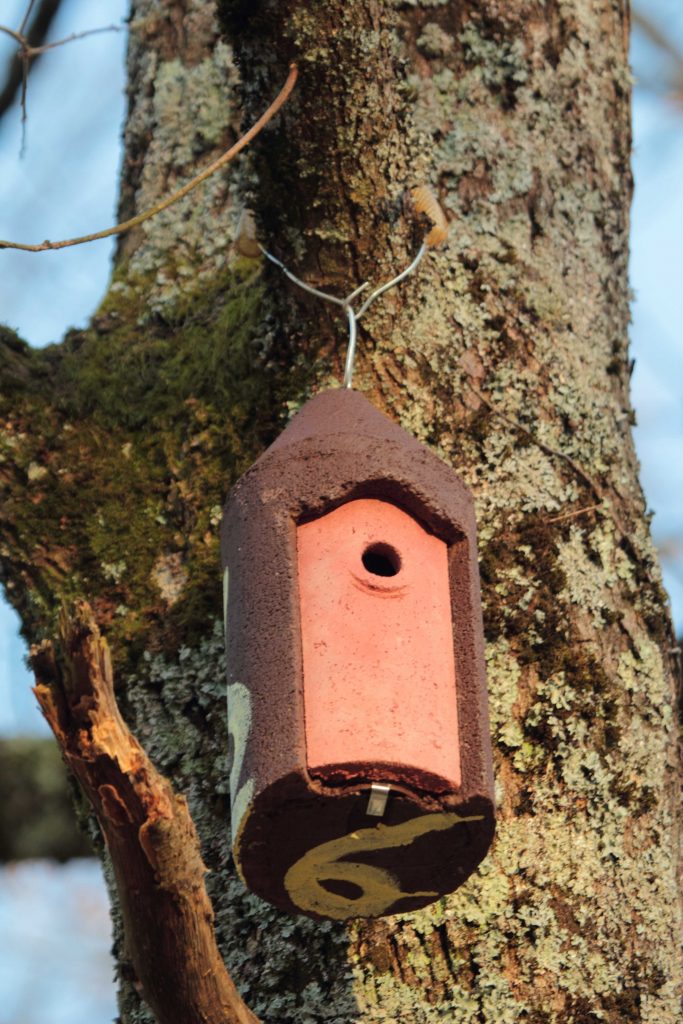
(133, 369)
(22, 369)
(153, 418)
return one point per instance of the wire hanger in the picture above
(423, 202)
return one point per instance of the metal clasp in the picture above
(377, 804)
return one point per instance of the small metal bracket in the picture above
(377, 804)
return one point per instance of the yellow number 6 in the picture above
(379, 888)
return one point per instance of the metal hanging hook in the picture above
(424, 202)
(351, 348)
(346, 303)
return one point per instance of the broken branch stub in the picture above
(151, 838)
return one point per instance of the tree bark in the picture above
(506, 352)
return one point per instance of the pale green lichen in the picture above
(182, 109)
(573, 735)
(434, 41)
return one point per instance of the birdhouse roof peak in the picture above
(340, 447)
(343, 411)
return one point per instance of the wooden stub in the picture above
(152, 841)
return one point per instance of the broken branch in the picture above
(151, 838)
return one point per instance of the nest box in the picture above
(361, 779)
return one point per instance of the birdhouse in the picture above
(361, 779)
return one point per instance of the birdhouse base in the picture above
(344, 862)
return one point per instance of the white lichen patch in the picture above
(585, 587)
(503, 675)
(36, 472)
(187, 111)
(434, 41)
(114, 571)
(170, 576)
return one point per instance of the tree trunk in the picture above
(506, 352)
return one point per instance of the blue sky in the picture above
(66, 185)
(55, 916)
(657, 282)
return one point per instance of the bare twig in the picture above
(27, 15)
(28, 38)
(15, 35)
(34, 51)
(152, 841)
(574, 514)
(182, 192)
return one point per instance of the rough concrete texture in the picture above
(302, 837)
(377, 644)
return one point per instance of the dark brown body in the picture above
(306, 843)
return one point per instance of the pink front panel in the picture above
(377, 638)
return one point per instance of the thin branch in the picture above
(33, 37)
(151, 838)
(15, 35)
(35, 51)
(27, 15)
(27, 50)
(182, 192)
(574, 514)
